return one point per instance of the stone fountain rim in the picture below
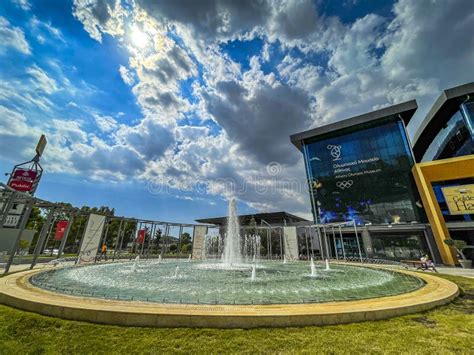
(18, 292)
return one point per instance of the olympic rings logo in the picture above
(335, 151)
(344, 184)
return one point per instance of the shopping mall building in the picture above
(405, 195)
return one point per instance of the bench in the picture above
(419, 265)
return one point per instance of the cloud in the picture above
(41, 81)
(260, 118)
(126, 75)
(438, 44)
(106, 123)
(45, 28)
(23, 4)
(12, 37)
(149, 139)
(211, 116)
(100, 16)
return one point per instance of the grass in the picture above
(445, 330)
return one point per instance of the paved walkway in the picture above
(456, 271)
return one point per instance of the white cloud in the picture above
(45, 28)
(41, 81)
(23, 4)
(346, 69)
(13, 37)
(100, 16)
(126, 75)
(106, 123)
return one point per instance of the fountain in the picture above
(327, 265)
(135, 264)
(232, 253)
(313, 268)
(222, 277)
(254, 273)
(189, 258)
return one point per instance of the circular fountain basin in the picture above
(344, 294)
(217, 283)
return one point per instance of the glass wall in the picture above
(400, 247)
(362, 173)
(457, 136)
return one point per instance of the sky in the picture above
(166, 109)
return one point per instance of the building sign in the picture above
(61, 227)
(91, 238)
(460, 199)
(12, 221)
(23, 180)
(362, 173)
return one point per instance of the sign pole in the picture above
(24, 220)
(117, 240)
(42, 236)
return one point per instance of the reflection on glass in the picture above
(362, 173)
(399, 247)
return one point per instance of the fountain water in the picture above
(313, 268)
(176, 272)
(189, 258)
(159, 259)
(254, 273)
(327, 265)
(232, 253)
(284, 259)
(135, 263)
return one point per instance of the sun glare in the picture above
(139, 38)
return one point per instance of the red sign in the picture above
(141, 236)
(61, 227)
(22, 180)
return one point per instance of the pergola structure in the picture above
(10, 197)
(315, 237)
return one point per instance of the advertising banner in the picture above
(291, 243)
(61, 227)
(23, 180)
(141, 236)
(460, 199)
(199, 237)
(91, 238)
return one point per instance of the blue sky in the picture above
(158, 108)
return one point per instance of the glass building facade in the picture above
(362, 173)
(456, 138)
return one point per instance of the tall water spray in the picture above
(232, 253)
(327, 265)
(135, 264)
(313, 268)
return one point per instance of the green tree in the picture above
(23, 245)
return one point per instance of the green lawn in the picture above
(449, 329)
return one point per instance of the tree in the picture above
(186, 248)
(458, 245)
(185, 238)
(23, 245)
